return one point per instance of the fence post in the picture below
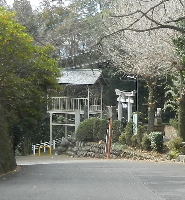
(44, 147)
(33, 149)
(51, 143)
(54, 144)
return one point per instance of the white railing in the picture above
(67, 104)
(55, 142)
(72, 104)
(95, 108)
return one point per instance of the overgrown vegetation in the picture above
(125, 138)
(175, 147)
(156, 141)
(92, 129)
(146, 143)
(142, 140)
(117, 130)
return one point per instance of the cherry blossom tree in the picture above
(138, 38)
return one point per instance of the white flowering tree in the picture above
(138, 38)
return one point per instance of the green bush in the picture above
(118, 146)
(141, 130)
(128, 132)
(85, 130)
(173, 154)
(175, 143)
(122, 139)
(92, 129)
(146, 143)
(175, 147)
(117, 130)
(134, 141)
(156, 141)
(100, 129)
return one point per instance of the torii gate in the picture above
(125, 97)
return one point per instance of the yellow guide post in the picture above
(45, 147)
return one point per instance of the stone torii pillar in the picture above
(120, 99)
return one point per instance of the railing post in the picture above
(33, 149)
(51, 127)
(44, 147)
(54, 144)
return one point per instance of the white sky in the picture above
(34, 3)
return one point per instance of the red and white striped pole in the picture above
(109, 135)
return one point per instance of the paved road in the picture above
(55, 178)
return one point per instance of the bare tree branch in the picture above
(176, 20)
(145, 14)
(140, 40)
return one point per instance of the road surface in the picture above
(57, 178)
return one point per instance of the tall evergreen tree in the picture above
(26, 72)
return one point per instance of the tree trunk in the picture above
(181, 114)
(7, 157)
(26, 144)
(151, 106)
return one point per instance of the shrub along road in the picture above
(46, 178)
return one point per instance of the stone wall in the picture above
(79, 149)
(95, 150)
(92, 150)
